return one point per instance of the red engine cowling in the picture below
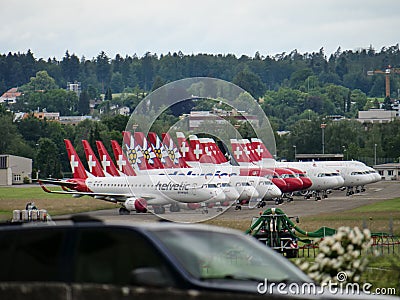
(137, 204)
(193, 205)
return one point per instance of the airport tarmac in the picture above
(336, 202)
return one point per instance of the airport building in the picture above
(219, 118)
(389, 171)
(14, 169)
(377, 116)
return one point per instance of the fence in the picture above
(382, 244)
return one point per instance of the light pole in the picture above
(375, 153)
(295, 152)
(323, 125)
(344, 151)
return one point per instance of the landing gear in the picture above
(219, 208)
(124, 211)
(238, 205)
(261, 204)
(316, 195)
(349, 191)
(159, 210)
(288, 197)
(204, 207)
(174, 207)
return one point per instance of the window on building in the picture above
(3, 162)
(390, 172)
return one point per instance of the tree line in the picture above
(297, 91)
(294, 70)
(42, 140)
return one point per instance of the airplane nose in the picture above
(275, 192)
(340, 181)
(307, 183)
(294, 184)
(280, 183)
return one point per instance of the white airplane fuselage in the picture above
(322, 178)
(161, 190)
(248, 187)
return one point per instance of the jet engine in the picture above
(137, 204)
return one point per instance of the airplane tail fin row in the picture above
(141, 153)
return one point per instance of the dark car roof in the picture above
(84, 221)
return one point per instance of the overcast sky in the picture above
(87, 27)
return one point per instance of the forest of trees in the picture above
(296, 91)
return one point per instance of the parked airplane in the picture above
(235, 188)
(229, 191)
(134, 192)
(349, 174)
(205, 154)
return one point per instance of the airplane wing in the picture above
(111, 197)
(62, 183)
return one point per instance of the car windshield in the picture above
(210, 255)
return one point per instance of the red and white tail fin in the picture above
(199, 151)
(241, 153)
(93, 162)
(173, 152)
(123, 163)
(210, 153)
(262, 151)
(211, 148)
(151, 159)
(238, 153)
(185, 148)
(133, 151)
(250, 151)
(161, 151)
(78, 170)
(106, 161)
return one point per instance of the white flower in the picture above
(356, 264)
(356, 253)
(324, 249)
(304, 266)
(338, 248)
(352, 235)
(367, 233)
(339, 236)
